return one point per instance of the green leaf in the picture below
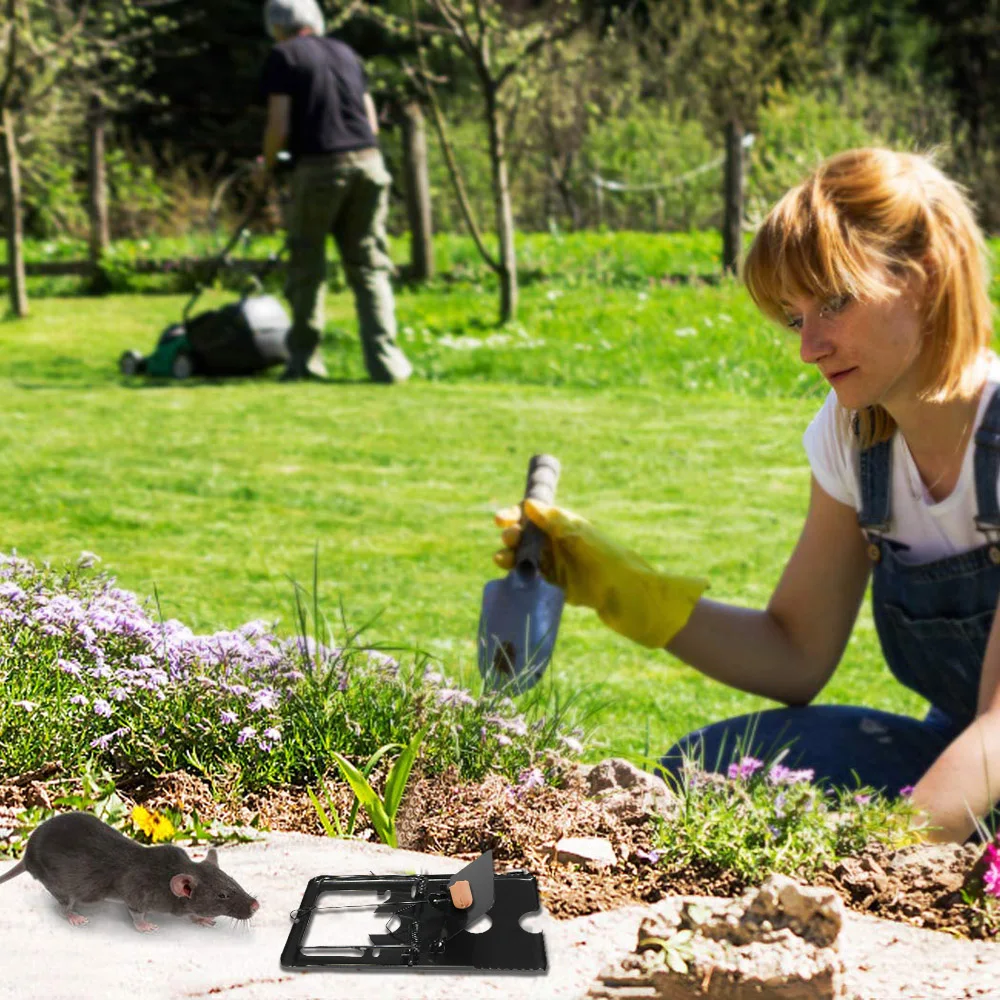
(395, 784)
(322, 814)
(384, 826)
(676, 962)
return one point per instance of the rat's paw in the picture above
(77, 919)
(204, 921)
(145, 926)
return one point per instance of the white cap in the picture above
(292, 15)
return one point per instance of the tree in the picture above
(77, 46)
(498, 41)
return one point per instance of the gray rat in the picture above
(81, 859)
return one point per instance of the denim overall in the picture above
(932, 619)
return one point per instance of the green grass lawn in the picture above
(676, 411)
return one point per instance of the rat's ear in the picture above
(183, 885)
(212, 858)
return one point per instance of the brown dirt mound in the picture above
(922, 885)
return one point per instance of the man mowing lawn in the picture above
(877, 262)
(318, 102)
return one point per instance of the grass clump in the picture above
(761, 818)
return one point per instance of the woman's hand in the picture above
(596, 572)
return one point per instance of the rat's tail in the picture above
(15, 871)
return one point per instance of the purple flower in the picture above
(746, 767)
(781, 775)
(265, 698)
(455, 697)
(246, 733)
(101, 707)
(651, 856)
(862, 800)
(531, 778)
(272, 734)
(227, 718)
(12, 592)
(78, 699)
(906, 791)
(517, 726)
(103, 741)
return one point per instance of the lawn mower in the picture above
(243, 338)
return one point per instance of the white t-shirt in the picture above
(932, 530)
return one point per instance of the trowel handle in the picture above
(543, 475)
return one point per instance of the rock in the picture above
(814, 914)
(585, 851)
(621, 786)
(778, 941)
(615, 772)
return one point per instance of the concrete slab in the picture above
(42, 957)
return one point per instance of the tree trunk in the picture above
(732, 241)
(418, 192)
(97, 200)
(504, 211)
(14, 221)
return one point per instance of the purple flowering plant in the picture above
(102, 677)
(755, 816)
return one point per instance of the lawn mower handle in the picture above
(222, 258)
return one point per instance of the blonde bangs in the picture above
(804, 249)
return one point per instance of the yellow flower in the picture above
(155, 826)
(163, 829)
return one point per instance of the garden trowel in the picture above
(520, 616)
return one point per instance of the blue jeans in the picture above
(933, 620)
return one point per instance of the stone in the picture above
(621, 785)
(585, 851)
(778, 941)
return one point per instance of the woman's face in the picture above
(867, 351)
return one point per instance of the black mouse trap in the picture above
(467, 921)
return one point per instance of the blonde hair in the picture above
(861, 219)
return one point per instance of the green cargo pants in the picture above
(346, 194)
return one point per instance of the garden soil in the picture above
(915, 890)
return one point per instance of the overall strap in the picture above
(987, 468)
(876, 486)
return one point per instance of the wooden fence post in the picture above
(14, 219)
(418, 192)
(97, 191)
(732, 241)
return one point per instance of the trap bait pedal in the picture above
(427, 917)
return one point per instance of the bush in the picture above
(94, 678)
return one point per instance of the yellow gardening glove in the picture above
(628, 595)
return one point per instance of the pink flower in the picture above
(991, 880)
(744, 769)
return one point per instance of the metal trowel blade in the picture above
(517, 629)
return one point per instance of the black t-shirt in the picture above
(327, 84)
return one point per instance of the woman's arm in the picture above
(789, 650)
(963, 784)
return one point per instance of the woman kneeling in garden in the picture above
(877, 263)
